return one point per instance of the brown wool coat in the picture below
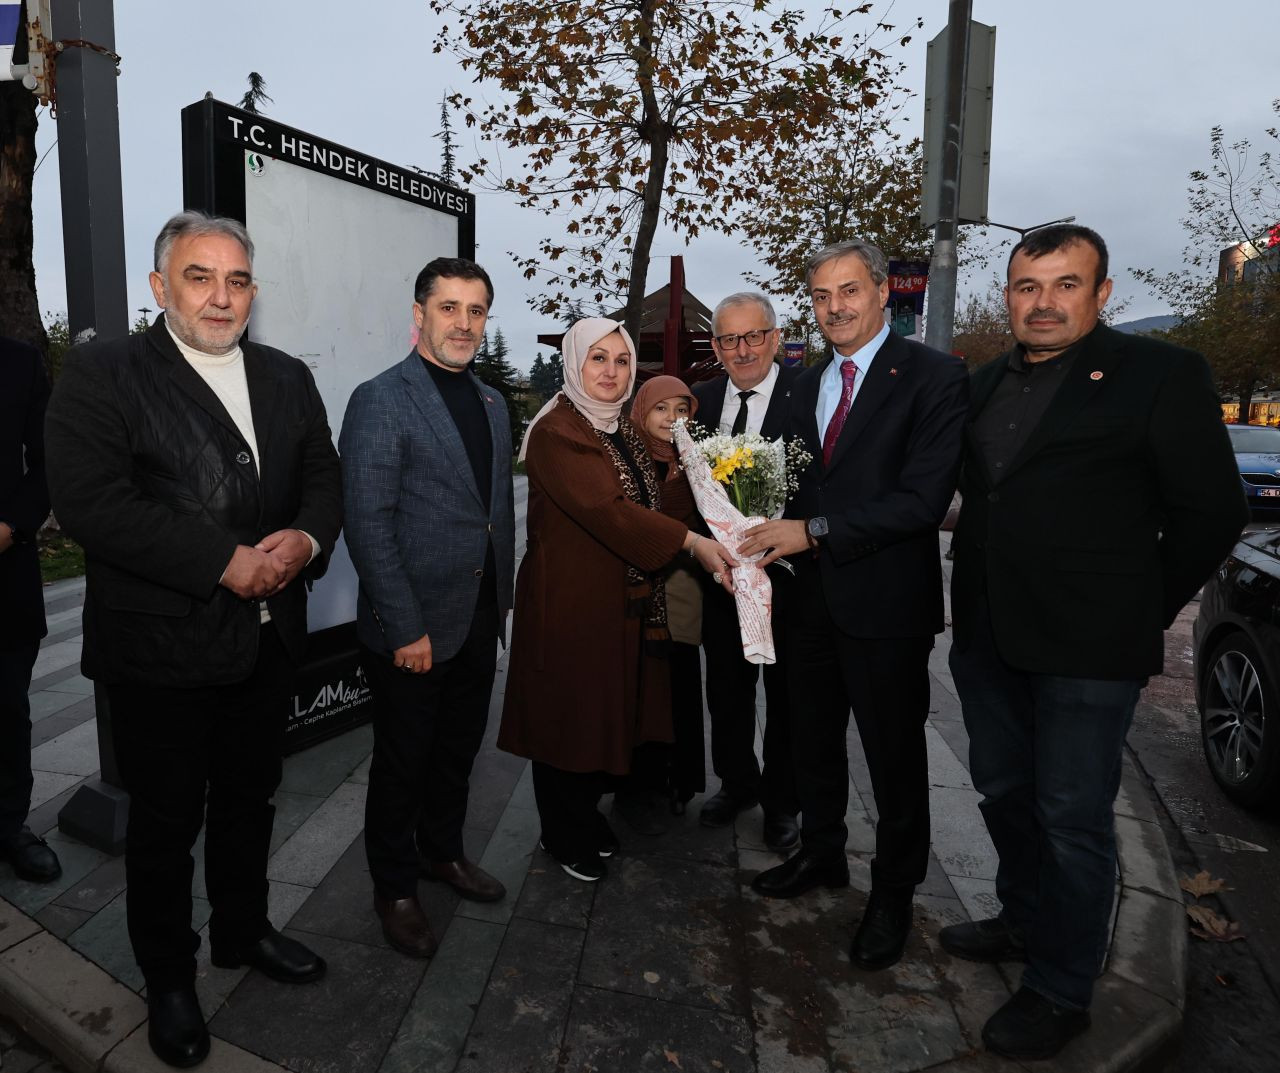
(581, 693)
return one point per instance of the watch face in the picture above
(818, 527)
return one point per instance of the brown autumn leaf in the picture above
(1201, 884)
(1211, 927)
(674, 1058)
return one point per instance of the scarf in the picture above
(654, 391)
(603, 416)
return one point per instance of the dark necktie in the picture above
(848, 373)
(740, 422)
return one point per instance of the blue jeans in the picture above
(1045, 753)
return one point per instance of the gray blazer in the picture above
(416, 527)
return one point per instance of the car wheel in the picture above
(1240, 723)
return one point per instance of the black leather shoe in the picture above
(781, 832)
(176, 1028)
(722, 809)
(274, 955)
(1030, 1026)
(31, 857)
(802, 873)
(882, 935)
(992, 939)
(467, 878)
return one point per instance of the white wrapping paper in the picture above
(752, 589)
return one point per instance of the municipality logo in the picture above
(256, 164)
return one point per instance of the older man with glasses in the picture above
(754, 397)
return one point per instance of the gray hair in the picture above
(743, 298)
(194, 222)
(871, 256)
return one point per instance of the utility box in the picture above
(975, 146)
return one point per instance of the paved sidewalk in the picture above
(671, 963)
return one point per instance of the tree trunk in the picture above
(1246, 402)
(19, 308)
(657, 134)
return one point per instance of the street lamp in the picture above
(1022, 231)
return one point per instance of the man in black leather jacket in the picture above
(200, 476)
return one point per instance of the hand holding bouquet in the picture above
(738, 482)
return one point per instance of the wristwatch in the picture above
(816, 528)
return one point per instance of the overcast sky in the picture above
(1100, 110)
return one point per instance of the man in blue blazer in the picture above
(426, 471)
(883, 419)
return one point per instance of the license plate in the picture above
(1269, 491)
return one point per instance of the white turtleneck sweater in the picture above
(224, 373)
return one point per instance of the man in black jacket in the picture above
(882, 418)
(1099, 493)
(200, 476)
(24, 505)
(754, 397)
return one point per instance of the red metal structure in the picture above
(675, 333)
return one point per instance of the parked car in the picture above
(1257, 449)
(1236, 637)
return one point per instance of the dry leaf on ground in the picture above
(1201, 884)
(1211, 927)
(674, 1058)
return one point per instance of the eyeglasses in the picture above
(729, 342)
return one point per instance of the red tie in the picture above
(848, 373)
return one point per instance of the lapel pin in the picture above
(893, 372)
(1095, 375)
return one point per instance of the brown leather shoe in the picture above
(467, 878)
(405, 927)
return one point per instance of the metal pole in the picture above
(97, 305)
(941, 312)
(89, 163)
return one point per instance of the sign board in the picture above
(907, 282)
(975, 146)
(11, 24)
(793, 352)
(339, 238)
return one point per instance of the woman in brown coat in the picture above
(587, 682)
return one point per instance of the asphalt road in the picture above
(1232, 1022)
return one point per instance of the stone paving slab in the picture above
(339, 1024)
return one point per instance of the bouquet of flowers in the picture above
(738, 482)
(759, 475)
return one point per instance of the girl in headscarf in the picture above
(587, 681)
(673, 772)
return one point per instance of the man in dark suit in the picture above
(426, 467)
(754, 397)
(199, 475)
(1099, 492)
(24, 505)
(883, 420)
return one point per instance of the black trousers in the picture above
(15, 736)
(885, 681)
(677, 768)
(569, 808)
(188, 756)
(731, 703)
(427, 729)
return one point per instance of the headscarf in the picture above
(573, 349)
(652, 392)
